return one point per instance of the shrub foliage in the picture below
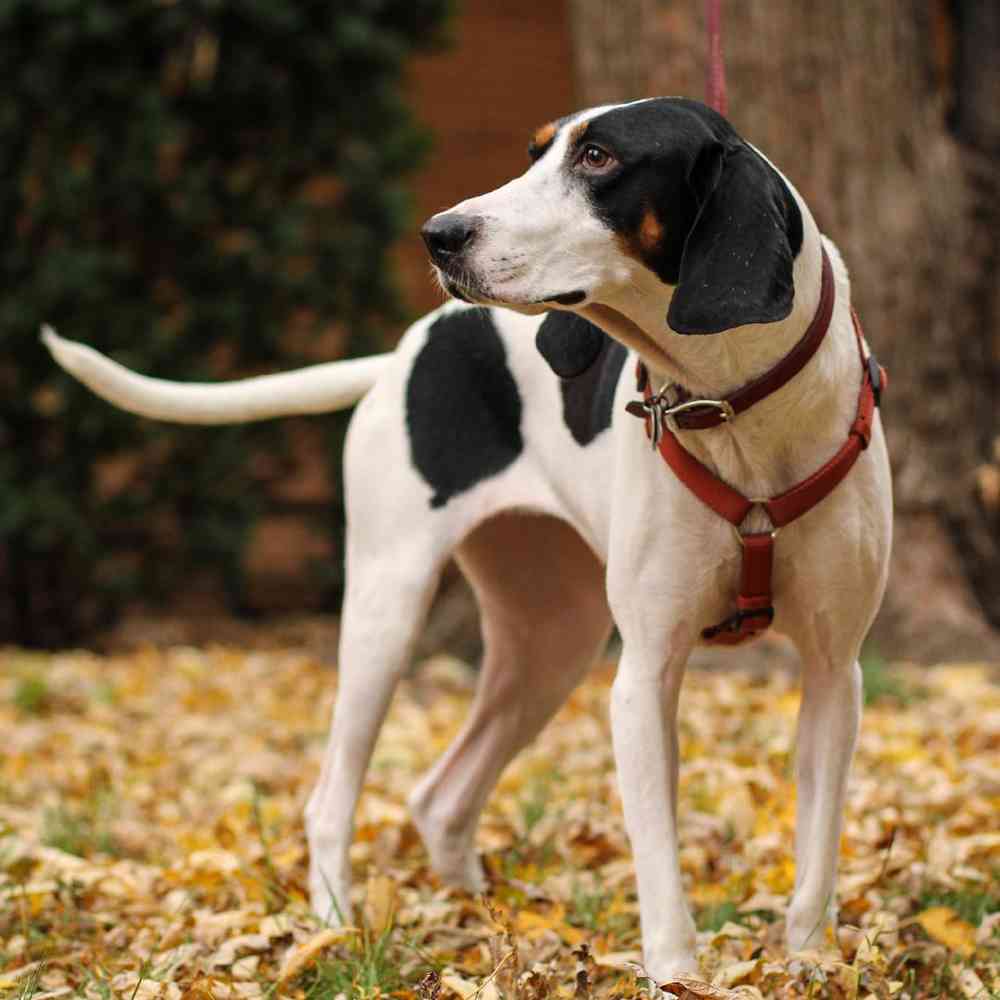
(184, 182)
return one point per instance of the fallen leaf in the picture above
(972, 987)
(695, 989)
(946, 927)
(618, 959)
(465, 989)
(301, 956)
(380, 903)
(738, 972)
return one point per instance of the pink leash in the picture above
(715, 76)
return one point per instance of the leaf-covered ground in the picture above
(151, 840)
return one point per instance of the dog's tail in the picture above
(316, 389)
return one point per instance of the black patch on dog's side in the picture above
(463, 409)
(569, 343)
(589, 398)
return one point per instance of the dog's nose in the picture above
(448, 234)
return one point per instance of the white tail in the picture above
(316, 389)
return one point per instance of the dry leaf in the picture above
(971, 985)
(945, 926)
(695, 989)
(208, 872)
(465, 989)
(301, 956)
(618, 959)
(380, 903)
(738, 972)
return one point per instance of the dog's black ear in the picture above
(737, 262)
(569, 343)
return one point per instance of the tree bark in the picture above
(611, 47)
(884, 117)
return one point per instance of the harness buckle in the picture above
(724, 407)
(657, 410)
(743, 622)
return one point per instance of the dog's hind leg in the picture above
(545, 619)
(385, 605)
(829, 720)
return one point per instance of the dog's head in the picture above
(660, 187)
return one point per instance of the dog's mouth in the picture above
(457, 290)
(468, 289)
(567, 298)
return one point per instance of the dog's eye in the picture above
(594, 158)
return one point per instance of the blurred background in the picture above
(207, 189)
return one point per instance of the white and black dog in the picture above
(636, 227)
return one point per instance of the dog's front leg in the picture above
(643, 723)
(829, 720)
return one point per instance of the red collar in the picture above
(700, 414)
(754, 603)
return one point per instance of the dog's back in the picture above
(478, 421)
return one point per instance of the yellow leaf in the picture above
(300, 957)
(531, 921)
(780, 877)
(709, 893)
(380, 903)
(946, 927)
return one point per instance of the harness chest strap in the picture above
(754, 604)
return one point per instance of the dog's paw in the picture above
(809, 927)
(468, 874)
(457, 864)
(329, 898)
(452, 852)
(669, 952)
(678, 975)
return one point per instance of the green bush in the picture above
(181, 180)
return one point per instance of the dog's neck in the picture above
(784, 430)
(713, 365)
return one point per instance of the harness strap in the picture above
(754, 607)
(802, 497)
(754, 603)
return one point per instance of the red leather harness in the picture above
(754, 603)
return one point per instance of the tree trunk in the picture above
(884, 117)
(611, 47)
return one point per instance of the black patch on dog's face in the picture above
(463, 409)
(569, 343)
(700, 208)
(588, 399)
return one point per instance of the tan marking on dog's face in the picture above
(577, 134)
(542, 139)
(544, 135)
(650, 231)
(643, 242)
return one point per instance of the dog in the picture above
(497, 433)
